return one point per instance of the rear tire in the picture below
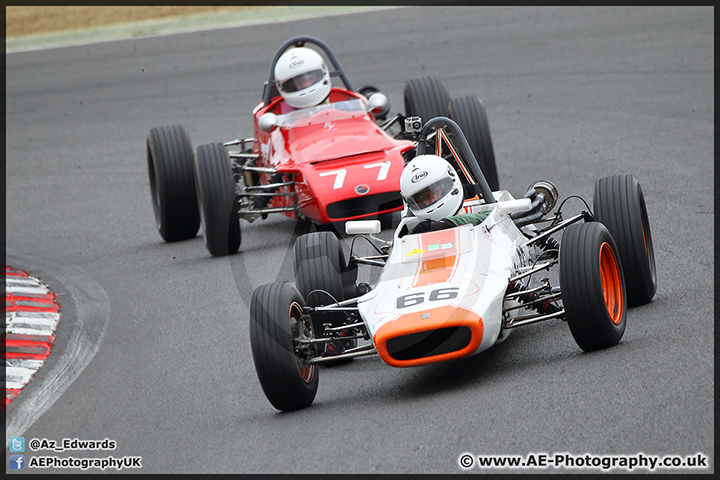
(471, 116)
(619, 204)
(172, 183)
(218, 199)
(592, 286)
(276, 325)
(426, 97)
(319, 264)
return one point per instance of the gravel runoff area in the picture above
(22, 20)
(32, 28)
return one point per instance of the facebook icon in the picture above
(17, 462)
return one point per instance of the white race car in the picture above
(453, 293)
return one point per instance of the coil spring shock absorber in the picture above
(550, 246)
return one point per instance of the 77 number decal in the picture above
(384, 168)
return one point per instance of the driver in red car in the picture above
(302, 78)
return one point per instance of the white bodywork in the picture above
(454, 279)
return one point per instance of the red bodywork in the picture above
(345, 167)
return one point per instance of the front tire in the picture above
(218, 199)
(471, 116)
(172, 183)
(619, 204)
(592, 286)
(277, 325)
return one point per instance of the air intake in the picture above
(429, 343)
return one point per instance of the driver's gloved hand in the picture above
(432, 225)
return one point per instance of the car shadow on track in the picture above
(526, 353)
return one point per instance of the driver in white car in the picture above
(433, 193)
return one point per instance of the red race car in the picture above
(319, 152)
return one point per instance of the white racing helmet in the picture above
(302, 77)
(431, 188)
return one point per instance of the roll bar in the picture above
(440, 122)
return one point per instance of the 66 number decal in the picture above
(417, 298)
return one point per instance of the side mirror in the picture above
(268, 122)
(378, 104)
(362, 227)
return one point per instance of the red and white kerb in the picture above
(31, 318)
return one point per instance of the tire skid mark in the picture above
(31, 318)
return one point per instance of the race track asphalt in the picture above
(153, 350)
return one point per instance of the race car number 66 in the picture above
(436, 295)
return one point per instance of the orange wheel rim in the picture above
(306, 371)
(611, 283)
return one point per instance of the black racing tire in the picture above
(592, 286)
(619, 204)
(319, 265)
(276, 324)
(426, 97)
(471, 116)
(172, 183)
(218, 199)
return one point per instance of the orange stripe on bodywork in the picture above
(436, 318)
(437, 270)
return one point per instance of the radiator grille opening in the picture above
(429, 344)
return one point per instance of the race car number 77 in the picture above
(340, 174)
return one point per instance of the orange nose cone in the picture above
(430, 336)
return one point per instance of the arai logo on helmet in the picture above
(418, 176)
(296, 63)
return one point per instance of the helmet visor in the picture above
(430, 194)
(302, 81)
